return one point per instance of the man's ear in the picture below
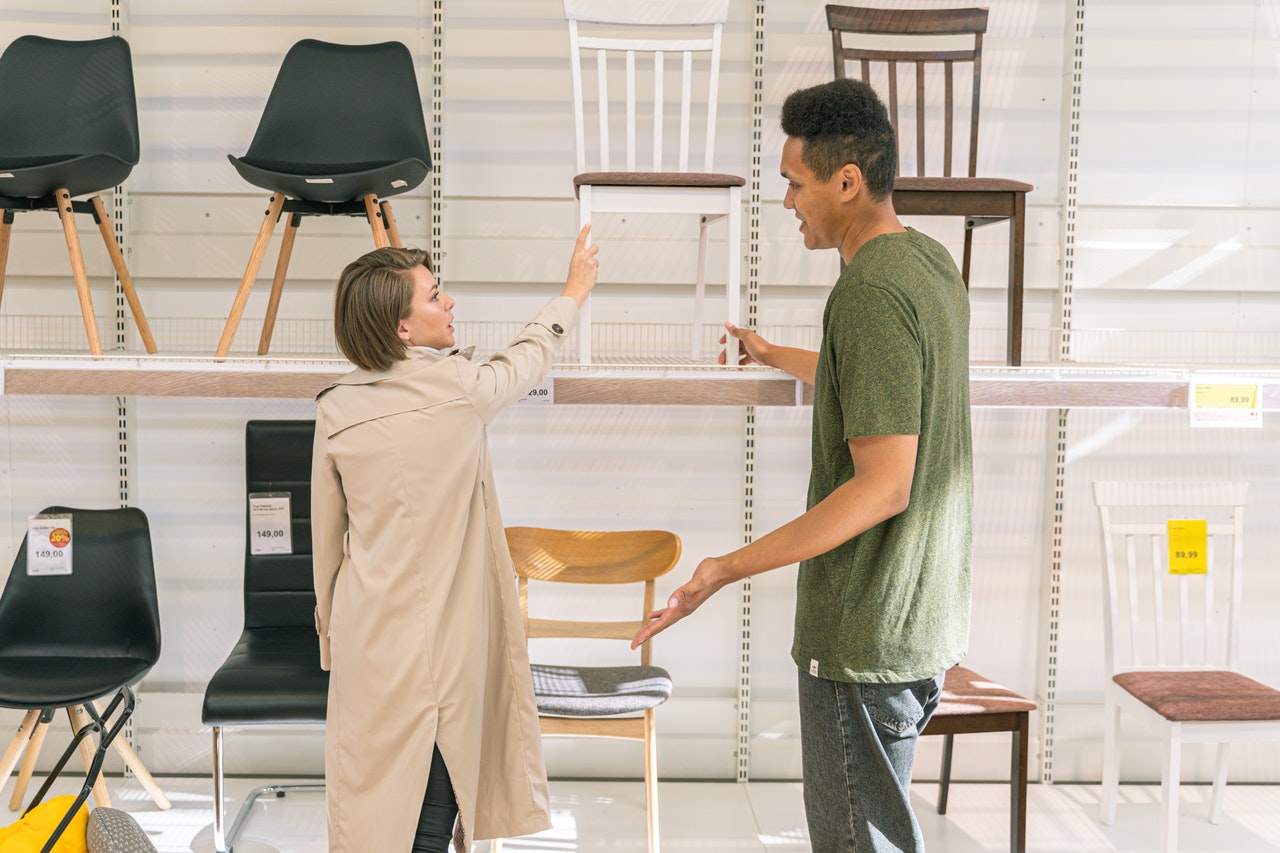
(850, 181)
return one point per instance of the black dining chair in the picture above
(342, 128)
(67, 640)
(273, 674)
(69, 127)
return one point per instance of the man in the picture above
(882, 606)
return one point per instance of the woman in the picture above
(416, 603)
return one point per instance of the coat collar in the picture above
(415, 358)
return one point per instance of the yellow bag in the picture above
(30, 833)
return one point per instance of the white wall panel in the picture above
(1175, 260)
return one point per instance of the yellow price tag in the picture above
(1226, 396)
(1188, 546)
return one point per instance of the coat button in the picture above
(557, 328)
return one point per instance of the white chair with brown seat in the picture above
(596, 701)
(626, 36)
(1172, 631)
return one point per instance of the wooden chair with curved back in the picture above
(981, 201)
(596, 701)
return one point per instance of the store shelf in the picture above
(1063, 386)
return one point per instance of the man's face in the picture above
(817, 203)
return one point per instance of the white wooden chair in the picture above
(1172, 640)
(623, 35)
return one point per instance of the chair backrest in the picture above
(106, 607)
(940, 29)
(343, 104)
(635, 40)
(1156, 619)
(279, 590)
(60, 98)
(590, 557)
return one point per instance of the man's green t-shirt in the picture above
(892, 604)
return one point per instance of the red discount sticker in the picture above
(59, 537)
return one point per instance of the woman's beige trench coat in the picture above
(417, 612)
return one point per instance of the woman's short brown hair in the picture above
(375, 292)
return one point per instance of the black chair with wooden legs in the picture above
(69, 639)
(69, 127)
(342, 130)
(979, 200)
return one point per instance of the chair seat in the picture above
(273, 675)
(36, 177)
(595, 691)
(1209, 696)
(966, 692)
(907, 183)
(698, 180)
(60, 681)
(330, 182)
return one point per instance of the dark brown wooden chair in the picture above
(981, 201)
(971, 704)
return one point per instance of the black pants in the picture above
(439, 810)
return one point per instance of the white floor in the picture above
(760, 817)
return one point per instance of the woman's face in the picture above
(430, 314)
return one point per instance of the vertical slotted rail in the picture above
(749, 430)
(437, 134)
(1051, 585)
(119, 227)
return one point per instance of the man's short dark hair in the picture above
(841, 122)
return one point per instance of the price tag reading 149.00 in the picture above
(269, 528)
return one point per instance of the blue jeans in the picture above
(858, 742)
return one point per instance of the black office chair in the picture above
(273, 674)
(68, 639)
(68, 127)
(342, 128)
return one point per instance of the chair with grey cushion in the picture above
(594, 701)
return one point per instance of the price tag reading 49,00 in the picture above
(269, 529)
(1188, 544)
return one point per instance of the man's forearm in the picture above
(800, 363)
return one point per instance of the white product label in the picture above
(813, 668)
(542, 394)
(269, 529)
(48, 545)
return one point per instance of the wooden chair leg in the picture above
(1018, 783)
(87, 747)
(140, 772)
(374, 214)
(77, 270)
(651, 779)
(944, 776)
(277, 283)
(1219, 783)
(29, 761)
(389, 221)
(274, 207)
(20, 739)
(1169, 780)
(6, 228)
(700, 289)
(1017, 261)
(122, 273)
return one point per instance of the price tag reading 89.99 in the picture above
(1188, 546)
(270, 531)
